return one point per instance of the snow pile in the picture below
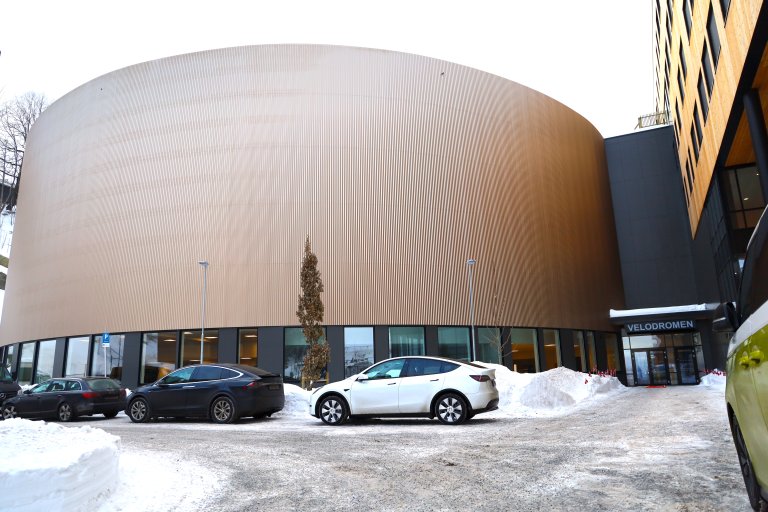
(715, 380)
(50, 467)
(551, 392)
(296, 401)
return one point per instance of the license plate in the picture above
(275, 387)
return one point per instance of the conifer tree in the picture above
(310, 314)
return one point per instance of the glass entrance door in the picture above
(685, 358)
(650, 367)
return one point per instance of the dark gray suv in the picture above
(8, 388)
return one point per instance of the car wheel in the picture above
(138, 410)
(110, 414)
(333, 410)
(747, 471)
(451, 409)
(223, 410)
(65, 412)
(9, 411)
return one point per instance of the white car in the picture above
(453, 391)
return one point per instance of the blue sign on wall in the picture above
(105, 340)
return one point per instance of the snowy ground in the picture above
(561, 440)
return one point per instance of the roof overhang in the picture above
(688, 312)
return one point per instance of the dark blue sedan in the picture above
(66, 399)
(221, 392)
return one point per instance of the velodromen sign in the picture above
(670, 325)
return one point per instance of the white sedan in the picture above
(453, 391)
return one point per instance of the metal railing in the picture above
(655, 119)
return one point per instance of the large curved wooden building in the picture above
(399, 169)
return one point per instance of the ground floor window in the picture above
(190, 347)
(10, 358)
(612, 351)
(489, 345)
(591, 354)
(578, 351)
(26, 361)
(248, 347)
(525, 357)
(358, 349)
(453, 343)
(294, 352)
(551, 338)
(113, 366)
(76, 363)
(158, 355)
(406, 341)
(45, 355)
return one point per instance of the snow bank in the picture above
(296, 401)
(54, 468)
(554, 391)
(714, 380)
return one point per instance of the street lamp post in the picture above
(204, 264)
(471, 263)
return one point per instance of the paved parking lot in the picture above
(645, 449)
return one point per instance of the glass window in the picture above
(682, 60)
(77, 357)
(453, 343)
(706, 66)
(10, 358)
(687, 16)
(179, 376)
(714, 37)
(386, 370)
(206, 373)
(523, 348)
(551, 338)
(418, 367)
(73, 385)
(158, 355)
(681, 86)
(612, 351)
(489, 345)
(578, 350)
(406, 341)
(103, 384)
(754, 293)
(226, 373)
(43, 387)
(45, 355)
(248, 351)
(190, 347)
(26, 360)
(113, 366)
(694, 143)
(358, 349)
(645, 341)
(591, 350)
(725, 5)
(703, 99)
(295, 349)
(697, 124)
(628, 366)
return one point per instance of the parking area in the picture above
(644, 449)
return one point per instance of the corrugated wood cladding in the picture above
(398, 167)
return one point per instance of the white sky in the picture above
(593, 55)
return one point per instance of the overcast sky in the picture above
(595, 56)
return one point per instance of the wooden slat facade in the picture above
(398, 167)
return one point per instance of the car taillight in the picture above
(481, 378)
(250, 385)
(90, 394)
(122, 393)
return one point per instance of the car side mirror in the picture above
(14, 376)
(362, 378)
(725, 318)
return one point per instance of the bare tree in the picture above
(16, 119)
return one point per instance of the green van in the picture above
(746, 390)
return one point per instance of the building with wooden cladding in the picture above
(399, 169)
(712, 79)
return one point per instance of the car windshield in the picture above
(103, 384)
(5, 375)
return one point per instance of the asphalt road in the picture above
(645, 449)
